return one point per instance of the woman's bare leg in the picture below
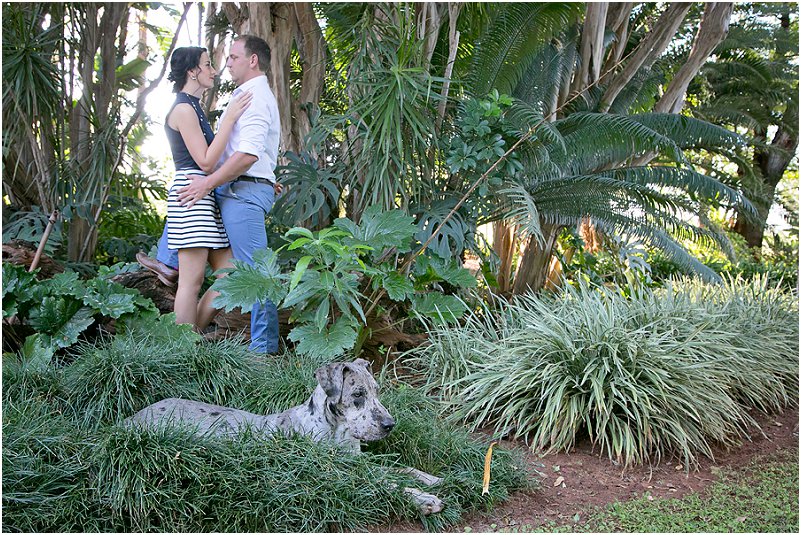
(219, 259)
(191, 272)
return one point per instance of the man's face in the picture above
(238, 63)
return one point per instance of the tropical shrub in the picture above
(661, 372)
(339, 275)
(60, 309)
(617, 262)
(65, 450)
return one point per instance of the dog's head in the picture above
(352, 399)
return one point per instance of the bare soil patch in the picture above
(576, 482)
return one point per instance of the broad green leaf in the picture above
(17, 287)
(61, 320)
(381, 230)
(300, 269)
(332, 232)
(300, 242)
(438, 307)
(67, 283)
(321, 315)
(246, 285)
(37, 351)
(398, 286)
(300, 231)
(305, 291)
(328, 342)
(113, 306)
(452, 273)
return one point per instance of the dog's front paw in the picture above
(428, 503)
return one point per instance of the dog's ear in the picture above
(330, 378)
(362, 362)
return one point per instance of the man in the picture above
(244, 183)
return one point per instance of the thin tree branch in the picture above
(140, 105)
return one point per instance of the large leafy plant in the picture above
(339, 278)
(61, 308)
(480, 135)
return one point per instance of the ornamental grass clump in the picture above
(47, 484)
(70, 463)
(115, 377)
(663, 372)
(168, 480)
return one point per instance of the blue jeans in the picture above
(243, 206)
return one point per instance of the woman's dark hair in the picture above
(183, 59)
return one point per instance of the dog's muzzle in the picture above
(387, 424)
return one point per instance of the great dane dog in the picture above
(344, 408)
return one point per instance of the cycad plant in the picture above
(590, 171)
(624, 169)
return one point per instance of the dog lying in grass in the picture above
(344, 408)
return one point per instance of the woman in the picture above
(197, 232)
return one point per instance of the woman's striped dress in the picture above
(201, 225)
(198, 226)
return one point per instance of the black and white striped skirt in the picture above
(198, 226)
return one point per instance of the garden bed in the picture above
(592, 481)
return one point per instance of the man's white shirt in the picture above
(258, 130)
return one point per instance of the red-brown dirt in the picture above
(591, 480)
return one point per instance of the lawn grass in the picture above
(761, 498)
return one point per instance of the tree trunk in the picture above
(592, 237)
(97, 39)
(772, 164)
(215, 44)
(592, 46)
(274, 22)
(504, 243)
(617, 20)
(453, 48)
(647, 52)
(532, 271)
(713, 29)
(312, 49)
(428, 21)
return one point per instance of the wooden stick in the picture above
(43, 241)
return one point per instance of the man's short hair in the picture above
(258, 46)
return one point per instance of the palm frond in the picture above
(694, 183)
(523, 213)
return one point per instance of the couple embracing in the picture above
(224, 185)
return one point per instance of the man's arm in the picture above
(236, 165)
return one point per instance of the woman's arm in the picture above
(184, 119)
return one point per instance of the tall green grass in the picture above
(665, 372)
(70, 465)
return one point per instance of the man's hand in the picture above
(196, 190)
(278, 187)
